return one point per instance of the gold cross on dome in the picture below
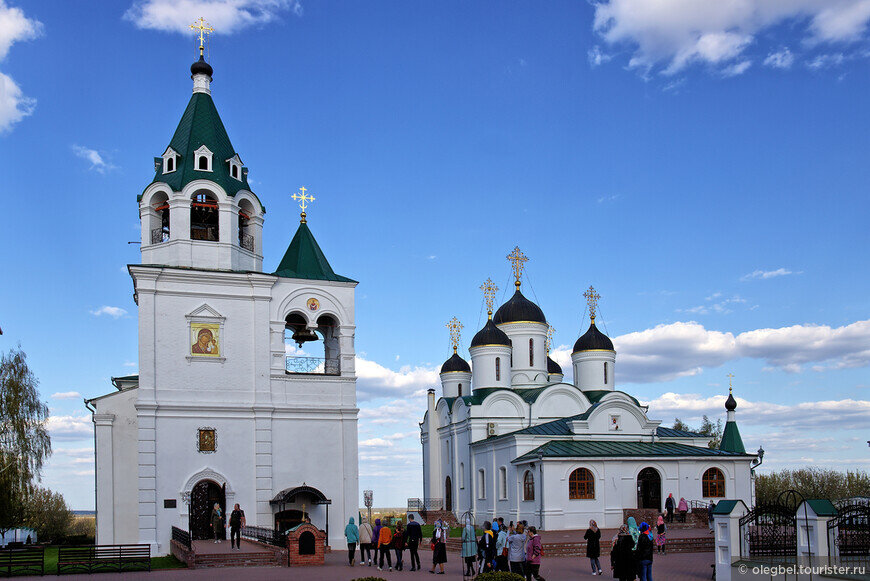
(204, 29)
(592, 301)
(518, 261)
(730, 376)
(303, 200)
(550, 331)
(489, 289)
(455, 327)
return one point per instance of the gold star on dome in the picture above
(592, 301)
(518, 262)
(454, 327)
(303, 200)
(489, 289)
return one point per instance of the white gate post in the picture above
(812, 524)
(726, 529)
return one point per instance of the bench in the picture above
(29, 560)
(103, 557)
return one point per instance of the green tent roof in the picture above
(822, 507)
(305, 259)
(608, 448)
(201, 125)
(725, 506)
(731, 440)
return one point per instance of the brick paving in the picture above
(674, 567)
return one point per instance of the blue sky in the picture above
(703, 166)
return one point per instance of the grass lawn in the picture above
(428, 530)
(164, 562)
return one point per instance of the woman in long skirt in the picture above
(661, 535)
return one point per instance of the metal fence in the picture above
(181, 536)
(159, 235)
(265, 535)
(246, 241)
(315, 365)
(419, 504)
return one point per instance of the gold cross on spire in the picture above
(303, 200)
(454, 326)
(730, 376)
(518, 261)
(489, 289)
(592, 301)
(550, 331)
(204, 29)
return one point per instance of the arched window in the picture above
(713, 484)
(170, 165)
(202, 163)
(204, 218)
(605, 373)
(246, 239)
(531, 352)
(502, 483)
(313, 351)
(160, 228)
(481, 484)
(581, 485)
(498, 368)
(528, 485)
(235, 171)
(460, 390)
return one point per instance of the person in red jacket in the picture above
(385, 539)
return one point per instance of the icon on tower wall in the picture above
(205, 339)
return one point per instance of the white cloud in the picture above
(94, 157)
(682, 349)
(721, 307)
(825, 61)
(766, 274)
(226, 16)
(375, 443)
(673, 34)
(70, 427)
(14, 27)
(597, 57)
(114, 312)
(736, 69)
(781, 59)
(66, 395)
(375, 380)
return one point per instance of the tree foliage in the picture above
(812, 482)
(708, 428)
(24, 439)
(47, 513)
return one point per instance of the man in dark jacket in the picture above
(237, 521)
(413, 536)
(670, 505)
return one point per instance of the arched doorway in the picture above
(202, 499)
(649, 489)
(448, 494)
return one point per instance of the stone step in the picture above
(264, 559)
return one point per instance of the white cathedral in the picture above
(508, 438)
(226, 408)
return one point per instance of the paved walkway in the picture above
(213, 548)
(675, 567)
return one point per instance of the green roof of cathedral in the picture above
(201, 125)
(305, 259)
(609, 448)
(731, 440)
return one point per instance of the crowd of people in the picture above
(511, 547)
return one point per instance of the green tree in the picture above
(47, 513)
(812, 482)
(708, 428)
(24, 439)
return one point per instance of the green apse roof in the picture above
(608, 448)
(305, 259)
(201, 125)
(731, 440)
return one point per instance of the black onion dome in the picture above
(490, 335)
(730, 403)
(553, 367)
(593, 340)
(455, 363)
(201, 67)
(519, 308)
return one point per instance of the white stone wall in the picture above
(589, 370)
(522, 373)
(116, 468)
(483, 366)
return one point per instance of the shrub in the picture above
(499, 576)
